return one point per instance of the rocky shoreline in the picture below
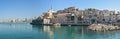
(103, 27)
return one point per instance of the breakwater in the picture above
(103, 27)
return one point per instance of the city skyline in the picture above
(34, 8)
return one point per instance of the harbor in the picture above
(59, 19)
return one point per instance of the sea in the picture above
(28, 31)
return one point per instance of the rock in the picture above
(103, 27)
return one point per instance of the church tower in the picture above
(50, 12)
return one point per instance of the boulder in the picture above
(103, 27)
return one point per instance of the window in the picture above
(72, 17)
(103, 19)
(79, 18)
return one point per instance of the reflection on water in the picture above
(27, 31)
(75, 32)
(63, 32)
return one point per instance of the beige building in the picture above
(73, 15)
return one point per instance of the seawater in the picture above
(28, 31)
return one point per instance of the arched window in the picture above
(103, 19)
(93, 20)
(72, 17)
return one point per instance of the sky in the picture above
(34, 8)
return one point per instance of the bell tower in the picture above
(50, 12)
